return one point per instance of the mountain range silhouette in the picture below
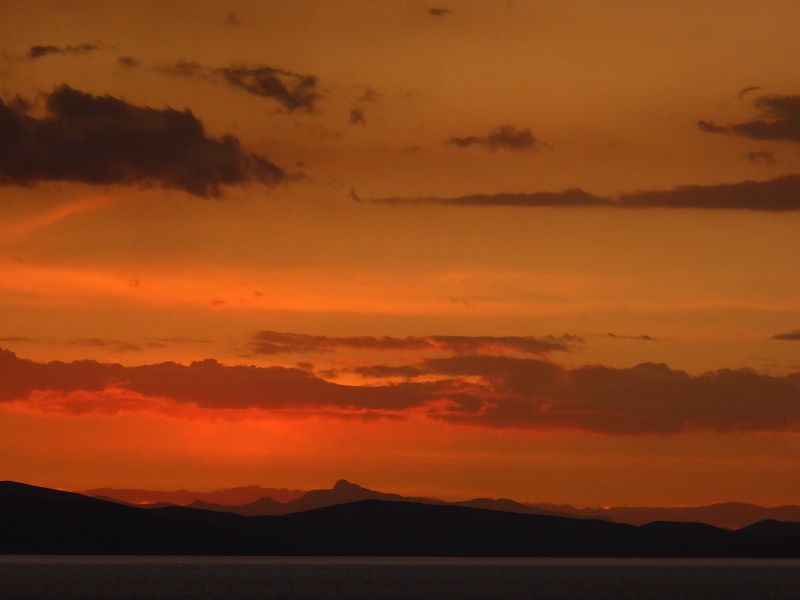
(37, 520)
(258, 501)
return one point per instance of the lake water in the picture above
(233, 578)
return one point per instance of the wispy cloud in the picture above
(13, 230)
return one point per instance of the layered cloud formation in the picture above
(457, 384)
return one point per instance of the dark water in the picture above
(121, 578)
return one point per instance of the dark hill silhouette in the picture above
(39, 520)
(773, 528)
(731, 515)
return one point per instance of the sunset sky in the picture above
(543, 250)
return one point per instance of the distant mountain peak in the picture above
(343, 485)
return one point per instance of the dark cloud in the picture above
(357, 117)
(439, 11)
(232, 20)
(645, 399)
(780, 194)
(127, 61)
(760, 157)
(641, 338)
(40, 51)
(792, 336)
(16, 339)
(276, 342)
(570, 197)
(106, 140)
(779, 120)
(293, 91)
(504, 137)
(478, 390)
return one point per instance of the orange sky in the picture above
(143, 238)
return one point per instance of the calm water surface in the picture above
(203, 578)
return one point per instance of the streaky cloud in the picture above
(566, 198)
(36, 52)
(781, 194)
(775, 195)
(276, 342)
(790, 336)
